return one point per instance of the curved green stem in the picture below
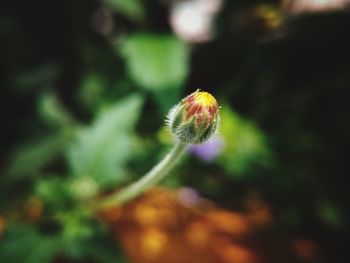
(157, 173)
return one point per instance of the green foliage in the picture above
(103, 252)
(101, 150)
(55, 192)
(30, 79)
(245, 144)
(29, 160)
(26, 244)
(79, 239)
(131, 8)
(53, 112)
(91, 91)
(329, 213)
(155, 62)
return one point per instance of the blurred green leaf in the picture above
(245, 144)
(329, 213)
(167, 98)
(155, 62)
(37, 76)
(29, 159)
(102, 149)
(54, 192)
(104, 254)
(26, 245)
(131, 8)
(83, 188)
(53, 111)
(92, 90)
(77, 230)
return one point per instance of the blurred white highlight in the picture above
(315, 6)
(192, 20)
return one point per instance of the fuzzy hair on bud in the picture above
(195, 118)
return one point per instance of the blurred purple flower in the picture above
(209, 150)
(188, 196)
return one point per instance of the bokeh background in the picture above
(85, 87)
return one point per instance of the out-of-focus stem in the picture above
(155, 175)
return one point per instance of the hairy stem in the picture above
(157, 173)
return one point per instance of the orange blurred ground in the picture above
(163, 227)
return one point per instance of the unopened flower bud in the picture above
(194, 120)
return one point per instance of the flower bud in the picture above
(194, 120)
